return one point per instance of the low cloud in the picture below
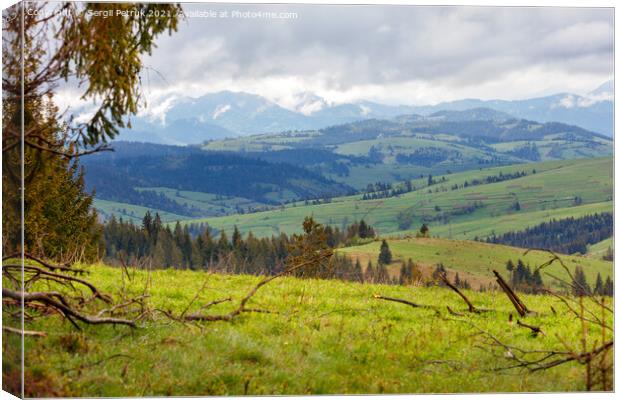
(395, 54)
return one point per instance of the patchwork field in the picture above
(557, 189)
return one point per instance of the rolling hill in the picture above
(408, 146)
(145, 175)
(549, 189)
(474, 261)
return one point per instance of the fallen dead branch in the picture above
(52, 267)
(452, 312)
(470, 305)
(58, 302)
(60, 278)
(402, 301)
(535, 329)
(67, 300)
(514, 299)
(242, 307)
(23, 332)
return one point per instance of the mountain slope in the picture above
(587, 112)
(229, 114)
(453, 209)
(119, 176)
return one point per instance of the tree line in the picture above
(199, 247)
(568, 236)
(491, 179)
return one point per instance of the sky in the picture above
(392, 54)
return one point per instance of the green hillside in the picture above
(474, 260)
(131, 212)
(598, 250)
(208, 203)
(549, 192)
(322, 337)
(406, 147)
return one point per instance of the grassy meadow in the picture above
(548, 193)
(473, 260)
(324, 337)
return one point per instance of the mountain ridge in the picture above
(226, 114)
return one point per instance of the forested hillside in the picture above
(119, 175)
(258, 172)
(568, 236)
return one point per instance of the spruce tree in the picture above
(424, 230)
(383, 276)
(599, 288)
(236, 239)
(537, 280)
(385, 255)
(369, 274)
(609, 287)
(363, 229)
(358, 275)
(580, 284)
(457, 280)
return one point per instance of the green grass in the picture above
(131, 212)
(598, 250)
(328, 337)
(476, 260)
(207, 203)
(569, 149)
(488, 226)
(547, 194)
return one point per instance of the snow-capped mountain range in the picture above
(228, 114)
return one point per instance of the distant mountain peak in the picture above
(308, 103)
(605, 89)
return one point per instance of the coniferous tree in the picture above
(580, 284)
(439, 270)
(58, 216)
(369, 274)
(236, 239)
(457, 280)
(382, 275)
(363, 229)
(385, 255)
(404, 277)
(424, 230)
(599, 288)
(358, 275)
(537, 281)
(609, 287)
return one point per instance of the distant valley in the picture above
(264, 172)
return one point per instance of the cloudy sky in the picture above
(392, 54)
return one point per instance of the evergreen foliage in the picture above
(568, 236)
(523, 279)
(385, 255)
(580, 285)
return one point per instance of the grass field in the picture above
(549, 193)
(475, 261)
(208, 203)
(131, 212)
(598, 250)
(327, 337)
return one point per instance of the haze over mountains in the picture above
(230, 114)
